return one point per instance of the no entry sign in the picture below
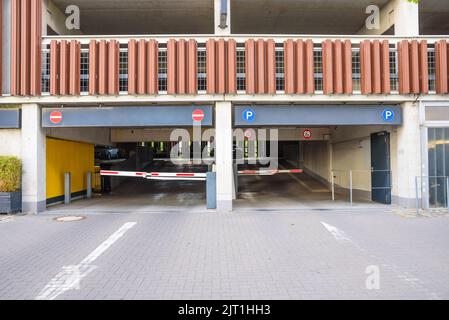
(198, 115)
(56, 117)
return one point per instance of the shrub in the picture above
(10, 174)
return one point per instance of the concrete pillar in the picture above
(223, 152)
(406, 19)
(33, 160)
(406, 153)
(218, 17)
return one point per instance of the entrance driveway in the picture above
(243, 255)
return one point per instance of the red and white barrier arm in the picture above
(110, 173)
(268, 172)
(189, 176)
(185, 176)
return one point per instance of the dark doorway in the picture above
(381, 168)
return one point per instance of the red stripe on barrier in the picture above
(154, 174)
(185, 174)
(140, 174)
(108, 172)
(296, 171)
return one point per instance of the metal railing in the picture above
(351, 180)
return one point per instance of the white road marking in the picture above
(338, 234)
(70, 276)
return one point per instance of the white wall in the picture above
(316, 158)
(11, 142)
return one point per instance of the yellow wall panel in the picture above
(68, 156)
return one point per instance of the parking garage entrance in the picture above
(130, 152)
(326, 155)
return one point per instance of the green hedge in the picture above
(10, 174)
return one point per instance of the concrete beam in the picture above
(33, 160)
(400, 14)
(218, 18)
(100, 136)
(54, 18)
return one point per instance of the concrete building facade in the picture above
(368, 108)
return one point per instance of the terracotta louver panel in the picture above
(132, 67)
(25, 19)
(328, 81)
(15, 47)
(114, 67)
(385, 67)
(141, 66)
(192, 67)
(250, 48)
(64, 68)
(441, 65)
(423, 67)
(271, 67)
(221, 66)
(404, 67)
(210, 66)
(338, 62)
(414, 67)
(93, 67)
(232, 67)
(54, 67)
(310, 77)
(260, 66)
(376, 65)
(181, 51)
(74, 67)
(36, 48)
(300, 67)
(347, 67)
(153, 68)
(365, 67)
(171, 66)
(289, 65)
(103, 68)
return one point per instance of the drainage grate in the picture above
(70, 219)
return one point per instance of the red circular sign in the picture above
(198, 115)
(248, 134)
(307, 134)
(56, 117)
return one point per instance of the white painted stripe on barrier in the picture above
(267, 172)
(70, 277)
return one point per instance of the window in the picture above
(280, 70)
(432, 70)
(356, 73)
(318, 68)
(46, 71)
(202, 75)
(438, 145)
(123, 73)
(394, 74)
(84, 77)
(241, 71)
(162, 66)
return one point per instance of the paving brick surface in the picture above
(243, 255)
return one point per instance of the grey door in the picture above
(381, 168)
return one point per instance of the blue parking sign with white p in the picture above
(388, 115)
(249, 115)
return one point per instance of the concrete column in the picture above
(223, 152)
(406, 153)
(406, 18)
(33, 160)
(218, 17)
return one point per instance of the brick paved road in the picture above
(246, 255)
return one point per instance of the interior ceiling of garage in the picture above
(248, 16)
